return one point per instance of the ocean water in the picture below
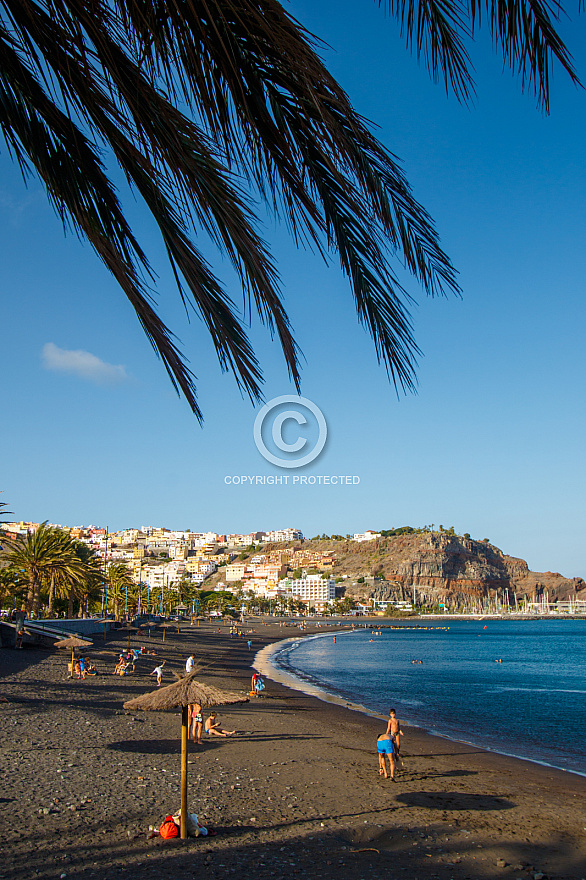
(532, 705)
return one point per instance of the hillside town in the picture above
(161, 559)
(163, 571)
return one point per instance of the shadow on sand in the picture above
(453, 800)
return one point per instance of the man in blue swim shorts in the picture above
(385, 746)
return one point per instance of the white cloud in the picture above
(82, 364)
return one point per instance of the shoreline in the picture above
(295, 793)
(264, 661)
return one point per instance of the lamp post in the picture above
(140, 585)
(105, 589)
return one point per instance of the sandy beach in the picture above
(295, 793)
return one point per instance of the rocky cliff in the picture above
(434, 566)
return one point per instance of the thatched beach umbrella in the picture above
(72, 642)
(129, 629)
(184, 693)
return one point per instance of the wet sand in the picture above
(295, 794)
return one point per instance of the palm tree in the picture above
(12, 583)
(91, 581)
(66, 571)
(34, 554)
(120, 581)
(222, 602)
(264, 120)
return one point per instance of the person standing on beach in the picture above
(394, 729)
(158, 671)
(195, 713)
(384, 746)
(190, 664)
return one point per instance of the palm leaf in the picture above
(523, 30)
(82, 84)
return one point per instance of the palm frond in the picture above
(437, 30)
(84, 83)
(523, 30)
(529, 41)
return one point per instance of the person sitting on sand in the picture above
(212, 728)
(122, 666)
(384, 746)
(394, 728)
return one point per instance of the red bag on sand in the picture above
(169, 828)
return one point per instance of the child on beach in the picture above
(158, 671)
(121, 667)
(259, 685)
(384, 746)
(394, 728)
(212, 728)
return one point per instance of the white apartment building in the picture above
(154, 576)
(200, 567)
(178, 550)
(285, 535)
(245, 540)
(121, 555)
(128, 536)
(235, 572)
(203, 539)
(368, 535)
(162, 575)
(313, 588)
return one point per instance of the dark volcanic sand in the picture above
(295, 794)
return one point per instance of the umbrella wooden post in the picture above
(184, 732)
(184, 692)
(73, 642)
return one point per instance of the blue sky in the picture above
(493, 441)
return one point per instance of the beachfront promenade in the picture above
(295, 793)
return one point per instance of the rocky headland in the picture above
(433, 567)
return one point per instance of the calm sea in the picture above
(532, 705)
